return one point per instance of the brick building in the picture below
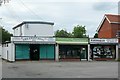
(109, 27)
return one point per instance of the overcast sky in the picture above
(64, 13)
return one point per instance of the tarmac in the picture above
(50, 69)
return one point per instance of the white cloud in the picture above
(65, 14)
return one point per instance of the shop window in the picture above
(75, 52)
(103, 52)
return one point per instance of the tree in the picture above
(70, 35)
(5, 35)
(79, 31)
(96, 35)
(62, 33)
(4, 1)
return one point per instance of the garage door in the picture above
(22, 51)
(47, 51)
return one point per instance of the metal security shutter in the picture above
(43, 52)
(22, 51)
(50, 51)
(47, 51)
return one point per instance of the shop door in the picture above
(83, 54)
(47, 51)
(34, 52)
(22, 51)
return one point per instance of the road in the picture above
(43, 69)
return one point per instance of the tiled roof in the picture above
(113, 17)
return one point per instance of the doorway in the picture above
(34, 52)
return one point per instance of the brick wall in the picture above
(105, 31)
(115, 29)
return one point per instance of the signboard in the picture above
(72, 40)
(99, 41)
(32, 39)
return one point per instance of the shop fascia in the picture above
(32, 38)
(100, 40)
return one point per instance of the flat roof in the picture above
(33, 22)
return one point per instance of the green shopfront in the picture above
(34, 48)
(72, 48)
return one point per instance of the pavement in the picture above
(41, 69)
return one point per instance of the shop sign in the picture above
(32, 38)
(98, 40)
(72, 40)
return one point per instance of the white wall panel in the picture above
(38, 30)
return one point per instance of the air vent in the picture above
(27, 26)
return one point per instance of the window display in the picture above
(75, 52)
(103, 52)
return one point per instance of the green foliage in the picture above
(62, 33)
(4, 35)
(96, 35)
(79, 31)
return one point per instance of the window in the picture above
(118, 34)
(103, 52)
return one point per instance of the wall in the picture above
(38, 30)
(7, 52)
(17, 31)
(115, 28)
(105, 31)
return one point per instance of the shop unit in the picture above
(39, 49)
(110, 27)
(103, 49)
(31, 41)
(72, 49)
